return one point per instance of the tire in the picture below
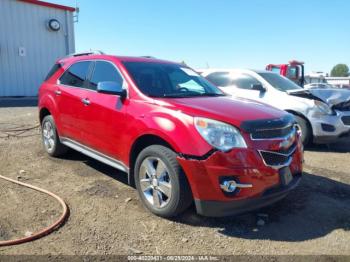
(156, 168)
(50, 138)
(306, 134)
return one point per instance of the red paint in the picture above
(113, 130)
(284, 69)
(245, 164)
(51, 5)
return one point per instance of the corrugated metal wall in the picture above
(24, 26)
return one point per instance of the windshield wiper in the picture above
(212, 94)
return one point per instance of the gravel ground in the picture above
(106, 216)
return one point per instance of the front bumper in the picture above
(330, 128)
(219, 208)
(243, 165)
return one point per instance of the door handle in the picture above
(85, 101)
(58, 92)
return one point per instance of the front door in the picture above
(104, 116)
(243, 87)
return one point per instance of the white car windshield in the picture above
(279, 82)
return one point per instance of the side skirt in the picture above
(94, 154)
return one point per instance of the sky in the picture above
(218, 33)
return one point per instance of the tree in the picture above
(341, 70)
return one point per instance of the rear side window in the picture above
(104, 72)
(53, 70)
(76, 74)
(221, 79)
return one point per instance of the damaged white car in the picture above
(322, 114)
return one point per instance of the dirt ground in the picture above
(106, 216)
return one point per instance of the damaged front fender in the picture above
(332, 96)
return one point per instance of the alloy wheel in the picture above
(48, 136)
(155, 182)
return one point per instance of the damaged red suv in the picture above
(178, 138)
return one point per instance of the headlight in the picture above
(218, 134)
(324, 108)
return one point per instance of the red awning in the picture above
(47, 4)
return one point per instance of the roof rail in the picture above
(92, 52)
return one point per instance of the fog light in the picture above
(230, 186)
(327, 128)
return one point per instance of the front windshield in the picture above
(169, 80)
(279, 82)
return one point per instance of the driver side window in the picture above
(244, 81)
(104, 72)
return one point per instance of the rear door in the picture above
(104, 117)
(71, 90)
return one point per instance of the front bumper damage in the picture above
(247, 167)
(328, 128)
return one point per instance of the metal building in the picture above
(33, 34)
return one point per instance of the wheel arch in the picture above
(139, 144)
(42, 113)
(48, 106)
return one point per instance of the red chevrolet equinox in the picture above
(178, 138)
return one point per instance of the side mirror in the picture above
(258, 87)
(113, 88)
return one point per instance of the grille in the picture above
(278, 159)
(271, 133)
(269, 128)
(274, 159)
(287, 151)
(346, 120)
(284, 129)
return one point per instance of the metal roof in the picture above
(50, 5)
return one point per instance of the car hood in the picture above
(330, 96)
(226, 109)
